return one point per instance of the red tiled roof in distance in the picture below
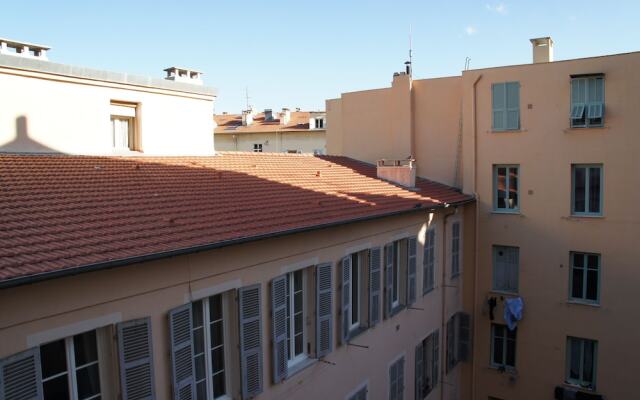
(232, 123)
(60, 213)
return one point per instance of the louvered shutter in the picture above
(464, 337)
(411, 270)
(324, 314)
(419, 371)
(345, 298)
(388, 278)
(400, 378)
(21, 376)
(513, 105)
(182, 368)
(435, 359)
(450, 344)
(279, 328)
(136, 359)
(250, 341)
(513, 263)
(375, 283)
(499, 106)
(393, 381)
(428, 262)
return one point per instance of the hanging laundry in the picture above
(513, 311)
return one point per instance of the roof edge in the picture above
(29, 279)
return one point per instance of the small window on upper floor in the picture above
(506, 261)
(505, 100)
(587, 188)
(506, 190)
(124, 134)
(587, 101)
(257, 147)
(585, 277)
(319, 123)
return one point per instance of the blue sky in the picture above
(299, 53)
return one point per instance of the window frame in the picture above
(296, 360)
(206, 325)
(455, 250)
(506, 108)
(587, 168)
(581, 382)
(585, 276)
(119, 111)
(257, 148)
(587, 102)
(494, 286)
(496, 209)
(505, 346)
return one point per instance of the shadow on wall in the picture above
(22, 142)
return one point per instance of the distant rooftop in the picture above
(298, 121)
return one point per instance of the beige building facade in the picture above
(548, 150)
(51, 107)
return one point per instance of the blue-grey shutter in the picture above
(464, 336)
(279, 327)
(400, 378)
(181, 337)
(250, 340)
(419, 371)
(513, 105)
(375, 283)
(136, 359)
(324, 310)
(499, 106)
(428, 262)
(435, 359)
(412, 243)
(21, 376)
(393, 381)
(345, 301)
(451, 362)
(388, 278)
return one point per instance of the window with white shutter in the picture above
(506, 188)
(20, 376)
(412, 248)
(136, 359)
(280, 324)
(399, 277)
(426, 370)
(250, 340)
(124, 135)
(505, 268)
(505, 100)
(429, 261)
(181, 340)
(324, 310)
(587, 101)
(396, 380)
(458, 339)
(375, 285)
(356, 291)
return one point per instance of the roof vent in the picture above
(247, 117)
(183, 75)
(23, 49)
(401, 172)
(542, 49)
(268, 114)
(285, 116)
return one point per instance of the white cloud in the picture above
(471, 30)
(499, 8)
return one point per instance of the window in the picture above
(427, 365)
(360, 394)
(585, 277)
(295, 317)
(359, 292)
(428, 261)
(503, 346)
(587, 101)
(209, 347)
(587, 189)
(455, 249)
(506, 106)
(458, 339)
(293, 151)
(355, 289)
(581, 362)
(396, 380)
(398, 260)
(319, 123)
(123, 126)
(70, 368)
(506, 188)
(506, 262)
(399, 275)
(257, 147)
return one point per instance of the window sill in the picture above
(504, 293)
(579, 387)
(354, 333)
(579, 216)
(300, 366)
(572, 129)
(583, 303)
(506, 212)
(507, 131)
(455, 276)
(504, 369)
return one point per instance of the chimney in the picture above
(247, 117)
(185, 75)
(542, 49)
(285, 116)
(23, 49)
(268, 114)
(400, 172)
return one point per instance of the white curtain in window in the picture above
(120, 129)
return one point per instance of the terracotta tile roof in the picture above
(232, 123)
(61, 213)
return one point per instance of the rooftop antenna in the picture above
(408, 64)
(467, 62)
(246, 95)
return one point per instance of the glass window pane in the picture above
(88, 381)
(218, 385)
(56, 389)
(198, 340)
(355, 283)
(201, 390)
(215, 307)
(217, 359)
(513, 187)
(579, 182)
(85, 348)
(299, 345)
(594, 190)
(577, 283)
(53, 358)
(196, 311)
(511, 353)
(575, 349)
(589, 358)
(501, 188)
(498, 355)
(200, 366)
(217, 334)
(592, 285)
(593, 261)
(297, 284)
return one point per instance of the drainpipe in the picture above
(475, 239)
(444, 297)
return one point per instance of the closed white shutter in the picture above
(279, 328)
(182, 368)
(513, 105)
(499, 106)
(21, 376)
(375, 283)
(250, 341)
(136, 359)
(345, 304)
(388, 279)
(411, 270)
(324, 315)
